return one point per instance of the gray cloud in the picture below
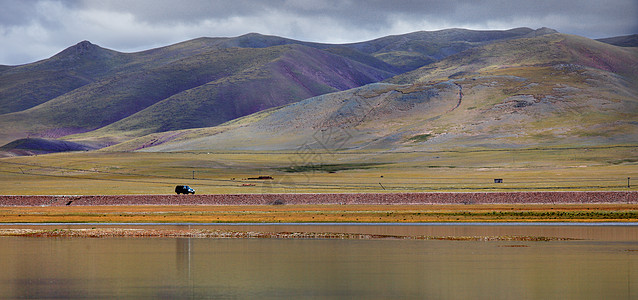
(36, 29)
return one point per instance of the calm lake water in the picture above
(603, 265)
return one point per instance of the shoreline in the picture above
(458, 231)
(224, 234)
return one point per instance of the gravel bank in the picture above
(573, 197)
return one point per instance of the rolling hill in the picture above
(201, 90)
(550, 90)
(106, 99)
(202, 82)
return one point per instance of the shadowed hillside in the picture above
(135, 82)
(297, 72)
(31, 146)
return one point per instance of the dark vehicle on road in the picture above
(184, 189)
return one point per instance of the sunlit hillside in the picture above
(542, 91)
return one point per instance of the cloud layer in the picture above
(35, 29)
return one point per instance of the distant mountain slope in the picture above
(409, 51)
(397, 53)
(543, 91)
(622, 41)
(255, 40)
(541, 51)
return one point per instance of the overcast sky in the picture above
(31, 30)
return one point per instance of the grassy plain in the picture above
(540, 169)
(460, 170)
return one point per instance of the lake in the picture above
(601, 264)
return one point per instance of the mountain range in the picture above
(447, 88)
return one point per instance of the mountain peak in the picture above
(545, 30)
(251, 34)
(257, 40)
(82, 49)
(84, 45)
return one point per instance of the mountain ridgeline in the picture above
(420, 89)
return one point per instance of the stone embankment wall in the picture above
(363, 198)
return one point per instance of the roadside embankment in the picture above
(572, 197)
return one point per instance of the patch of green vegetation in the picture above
(626, 160)
(405, 60)
(548, 215)
(330, 168)
(420, 138)
(564, 214)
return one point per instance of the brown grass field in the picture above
(323, 213)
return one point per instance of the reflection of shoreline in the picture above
(609, 231)
(183, 257)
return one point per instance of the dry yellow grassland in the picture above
(323, 213)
